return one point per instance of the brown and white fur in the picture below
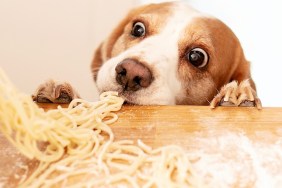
(155, 69)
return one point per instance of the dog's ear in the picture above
(242, 71)
(97, 61)
(235, 66)
(104, 51)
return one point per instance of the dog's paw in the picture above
(234, 94)
(55, 92)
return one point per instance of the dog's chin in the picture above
(130, 98)
(129, 103)
(140, 98)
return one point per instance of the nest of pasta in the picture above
(75, 146)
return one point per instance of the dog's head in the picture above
(169, 53)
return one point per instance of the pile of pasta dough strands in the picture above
(75, 146)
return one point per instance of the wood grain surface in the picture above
(228, 135)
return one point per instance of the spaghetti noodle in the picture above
(75, 146)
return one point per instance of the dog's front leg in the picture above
(234, 94)
(55, 92)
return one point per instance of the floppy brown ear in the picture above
(242, 72)
(104, 51)
(97, 61)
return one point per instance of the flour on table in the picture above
(232, 159)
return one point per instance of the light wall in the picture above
(42, 39)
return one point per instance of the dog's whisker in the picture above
(208, 101)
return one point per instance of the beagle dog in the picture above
(168, 54)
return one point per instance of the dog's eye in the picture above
(198, 57)
(138, 29)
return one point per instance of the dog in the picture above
(167, 54)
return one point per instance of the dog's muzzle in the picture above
(133, 75)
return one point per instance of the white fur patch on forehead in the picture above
(184, 7)
(182, 15)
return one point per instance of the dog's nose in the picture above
(133, 75)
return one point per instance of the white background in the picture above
(42, 39)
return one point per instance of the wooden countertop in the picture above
(232, 140)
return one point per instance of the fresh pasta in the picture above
(75, 146)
